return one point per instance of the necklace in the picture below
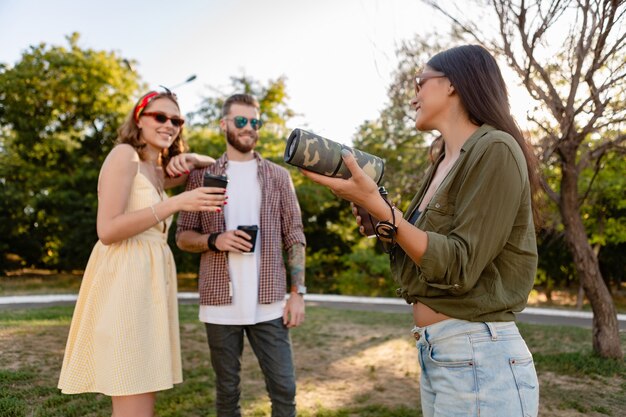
(154, 175)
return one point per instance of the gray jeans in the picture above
(272, 346)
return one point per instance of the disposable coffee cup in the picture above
(213, 180)
(252, 231)
(367, 221)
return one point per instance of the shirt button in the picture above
(437, 205)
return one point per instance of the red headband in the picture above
(143, 102)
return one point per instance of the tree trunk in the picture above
(606, 341)
(580, 297)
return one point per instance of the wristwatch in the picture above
(300, 289)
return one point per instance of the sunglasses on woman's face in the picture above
(421, 79)
(241, 122)
(163, 118)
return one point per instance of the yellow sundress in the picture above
(124, 336)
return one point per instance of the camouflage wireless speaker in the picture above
(315, 153)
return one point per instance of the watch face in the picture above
(300, 289)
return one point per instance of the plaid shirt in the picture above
(281, 226)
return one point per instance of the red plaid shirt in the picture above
(281, 226)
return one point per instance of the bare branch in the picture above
(605, 147)
(472, 31)
(554, 196)
(596, 171)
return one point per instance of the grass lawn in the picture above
(348, 364)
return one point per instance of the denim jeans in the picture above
(476, 369)
(272, 346)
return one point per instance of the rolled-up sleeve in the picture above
(485, 210)
(291, 217)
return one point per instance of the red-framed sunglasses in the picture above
(163, 118)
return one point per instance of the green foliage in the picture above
(393, 136)
(603, 211)
(205, 136)
(334, 264)
(366, 272)
(60, 108)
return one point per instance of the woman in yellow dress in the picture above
(124, 339)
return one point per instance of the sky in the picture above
(338, 56)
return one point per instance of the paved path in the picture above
(391, 305)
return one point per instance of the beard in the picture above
(234, 141)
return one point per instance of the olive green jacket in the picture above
(481, 258)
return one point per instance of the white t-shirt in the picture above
(243, 208)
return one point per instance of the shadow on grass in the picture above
(34, 340)
(328, 348)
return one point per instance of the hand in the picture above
(293, 314)
(234, 241)
(359, 189)
(201, 199)
(183, 163)
(197, 160)
(178, 166)
(359, 220)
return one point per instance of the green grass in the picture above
(32, 342)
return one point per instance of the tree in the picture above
(580, 90)
(60, 109)
(328, 225)
(393, 136)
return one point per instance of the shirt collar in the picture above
(222, 162)
(479, 133)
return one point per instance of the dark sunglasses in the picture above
(163, 118)
(241, 122)
(421, 79)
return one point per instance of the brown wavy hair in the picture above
(130, 133)
(477, 79)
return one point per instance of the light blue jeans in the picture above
(476, 369)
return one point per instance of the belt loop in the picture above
(492, 330)
(416, 331)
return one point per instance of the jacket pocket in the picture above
(438, 215)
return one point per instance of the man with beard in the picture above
(243, 291)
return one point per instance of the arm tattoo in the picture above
(295, 261)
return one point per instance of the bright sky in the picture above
(337, 55)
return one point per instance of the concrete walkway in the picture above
(529, 315)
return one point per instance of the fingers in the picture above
(358, 188)
(351, 164)
(355, 210)
(318, 178)
(295, 320)
(234, 241)
(178, 166)
(293, 313)
(213, 190)
(293, 317)
(201, 199)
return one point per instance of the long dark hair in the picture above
(130, 133)
(477, 79)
